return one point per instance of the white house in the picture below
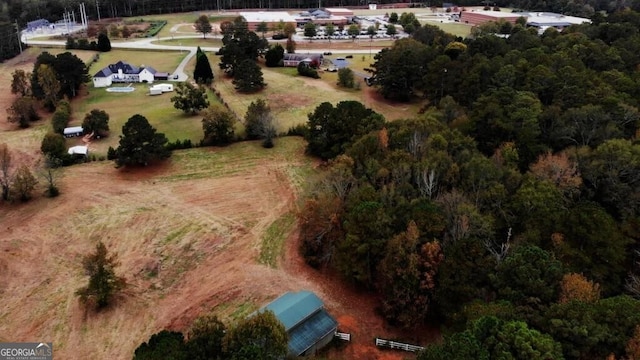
(122, 72)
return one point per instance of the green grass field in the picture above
(454, 28)
(121, 106)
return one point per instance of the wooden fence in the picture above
(397, 345)
(343, 336)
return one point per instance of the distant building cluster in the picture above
(540, 20)
(335, 16)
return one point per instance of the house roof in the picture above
(304, 336)
(72, 130)
(294, 307)
(121, 65)
(301, 57)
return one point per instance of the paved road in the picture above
(147, 44)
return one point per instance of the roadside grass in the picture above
(274, 238)
(208, 42)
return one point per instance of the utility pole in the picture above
(98, 8)
(19, 37)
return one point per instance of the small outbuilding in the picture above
(292, 60)
(73, 131)
(78, 150)
(308, 324)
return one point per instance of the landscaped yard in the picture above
(165, 61)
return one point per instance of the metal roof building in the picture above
(308, 324)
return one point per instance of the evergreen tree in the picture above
(103, 281)
(140, 143)
(202, 73)
(248, 77)
(104, 44)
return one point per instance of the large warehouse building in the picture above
(272, 18)
(540, 20)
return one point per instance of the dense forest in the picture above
(507, 210)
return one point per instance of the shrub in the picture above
(298, 130)
(308, 71)
(111, 153)
(345, 78)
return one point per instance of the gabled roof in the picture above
(120, 65)
(304, 336)
(303, 316)
(149, 69)
(301, 57)
(294, 307)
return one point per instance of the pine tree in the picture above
(103, 281)
(202, 73)
(140, 143)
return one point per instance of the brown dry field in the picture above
(198, 219)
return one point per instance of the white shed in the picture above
(73, 131)
(78, 150)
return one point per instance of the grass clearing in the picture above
(158, 110)
(239, 157)
(292, 97)
(455, 28)
(273, 240)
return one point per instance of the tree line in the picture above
(24, 11)
(508, 209)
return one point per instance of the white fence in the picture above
(397, 345)
(343, 336)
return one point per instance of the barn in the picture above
(307, 323)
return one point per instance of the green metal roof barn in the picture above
(308, 324)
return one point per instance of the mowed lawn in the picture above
(292, 97)
(158, 110)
